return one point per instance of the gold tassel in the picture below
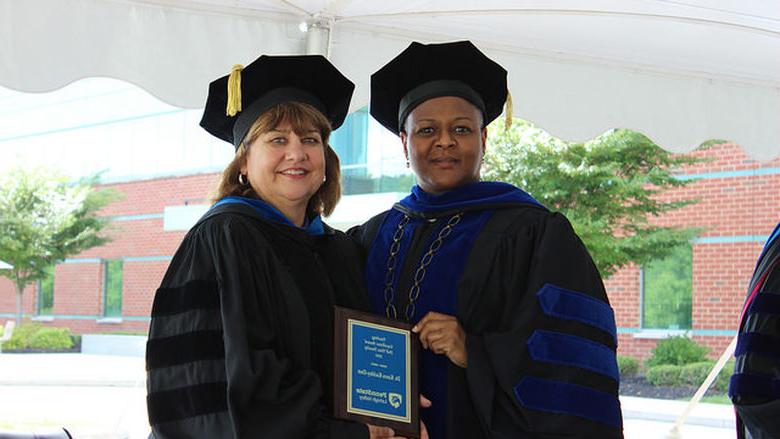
(234, 91)
(508, 111)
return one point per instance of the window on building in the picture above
(46, 293)
(112, 288)
(350, 142)
(366, 167)
(667, 291)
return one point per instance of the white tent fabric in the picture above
(680, 71)
(5, 266)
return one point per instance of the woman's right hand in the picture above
(376, 432)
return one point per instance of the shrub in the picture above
(722, 381)
(677, 350)
(20, 339)
(34, 336)
(628, 366)
(664, 375)
(51, 338)
(695, 373)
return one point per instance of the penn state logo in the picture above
(395, 399)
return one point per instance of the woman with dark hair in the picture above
(240, 342)
(518, 335)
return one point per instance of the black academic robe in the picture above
(755, 386)
(240, 342)
(540, 332)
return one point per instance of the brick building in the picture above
(110, 289)
(739, 205)
(140, 242)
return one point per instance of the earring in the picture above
(324, 178)
(242, 179)
(407, 163)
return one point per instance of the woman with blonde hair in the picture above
(240, 343)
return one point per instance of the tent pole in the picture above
(675, 433)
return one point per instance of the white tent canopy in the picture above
(680, 71)
(5, 266)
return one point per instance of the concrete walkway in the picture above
(71, 370)
(704, 414)
(102, 396)
(93, 396)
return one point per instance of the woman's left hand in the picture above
(443, 334)
(424, 403)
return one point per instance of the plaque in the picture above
(375, 368)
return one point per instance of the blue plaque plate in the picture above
(377, 359)
(376, 371)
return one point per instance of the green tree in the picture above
(44, 218)
(608, 187)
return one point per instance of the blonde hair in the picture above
(301, 118)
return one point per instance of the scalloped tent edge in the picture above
(173, 48)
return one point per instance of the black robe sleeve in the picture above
(541, 338)
(223, 340)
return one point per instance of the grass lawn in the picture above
(715, 399)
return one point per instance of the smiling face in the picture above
(444, 142)
(286, 167)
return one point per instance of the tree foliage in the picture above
(608, 188)
(44, 218)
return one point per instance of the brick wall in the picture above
(738, 200)
(621, 287)
(8, 298)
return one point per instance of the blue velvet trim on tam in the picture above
(570, 350)
(743, 384)
(572, 305)
(755, 343)
(570, 399)
(765, 303)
